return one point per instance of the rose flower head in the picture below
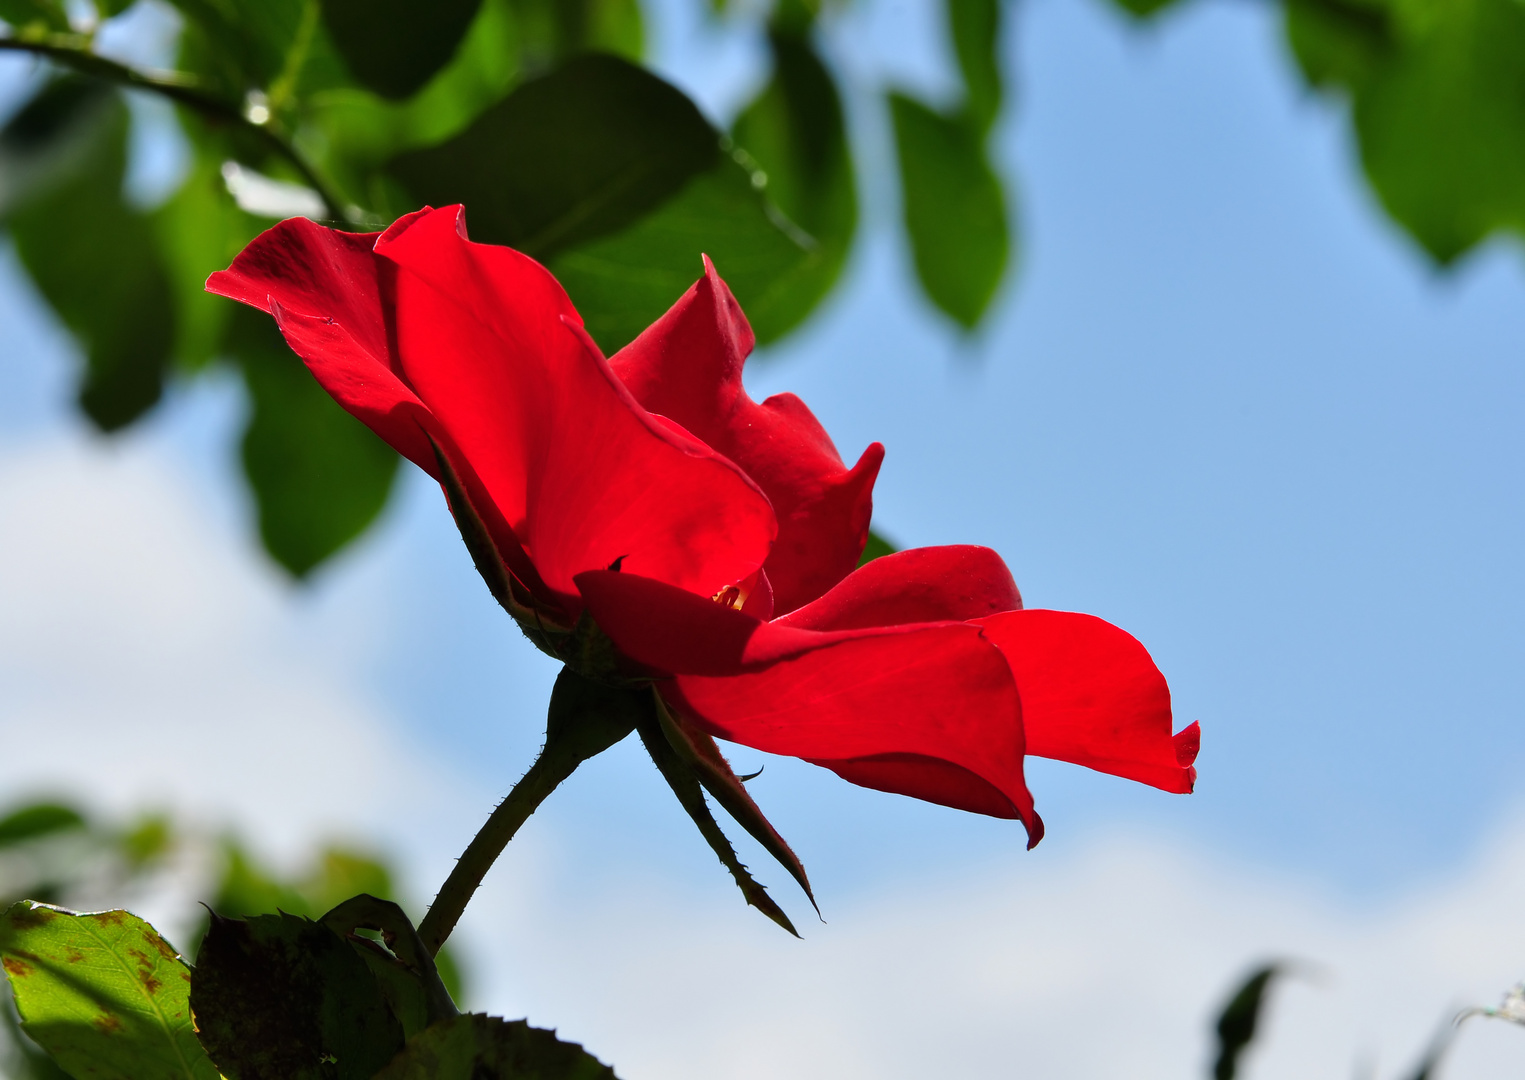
(691, 555)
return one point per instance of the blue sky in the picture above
(1223, 403)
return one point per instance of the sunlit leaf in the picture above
(395, 46)
(955, 211)
(279, 997)
(478, 1047)
(103, 993)
(95, 261)
(319, 476)
(1237, 1022)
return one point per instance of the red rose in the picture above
(711, 539)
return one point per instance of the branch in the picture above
(64, 50)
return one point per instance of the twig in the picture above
(63, 50)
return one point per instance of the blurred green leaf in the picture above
(955, 211)
(1237, 1022)
(975, 27)
(1145, 9)
(38, 819)
(103, 993)
(95, 261)
(278, 997)
(876, 548)
(277, 47)
(26, 14)
(356, 131)
(319, 475)
(551, 31)
(1339, 43)
(53, 136)
(478, 1047)
(622, 283)
(200, 229)
(394, 47)
(795, 132)
(1438, 94)
(570, 156)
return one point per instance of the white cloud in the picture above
(145, 657)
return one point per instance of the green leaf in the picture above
(577, 154)
(1237, 1022)
(479, 1047)
(319, 475)
(550, 31)
(40, 14)
(103, 993)
(877, 547)
(955, 212)
(794, 131)
(1339, 43)
(1145, 9)
(200, 230)
(622, 283)
(394, 47)
(404, 968)
(95, 261)
(279, 997)
(38, 819)
(975, 27)
(1441, 125)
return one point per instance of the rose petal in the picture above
(906, 709)
(933, 584)
(1091, 695)
(687, 366)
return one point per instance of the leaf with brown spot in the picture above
(101, 1004)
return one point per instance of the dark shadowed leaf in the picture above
(975, 26)
(277, 47)
(876, 547)
(404, 968)
(685, 785)
(103, 993)
(279, 997)
(1237, 1022)
(395, 46)
(95, 260)
(319, 475)
(479, 1047)
(36, 820)
(955, 211)
(795, 132)
(574, 155)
